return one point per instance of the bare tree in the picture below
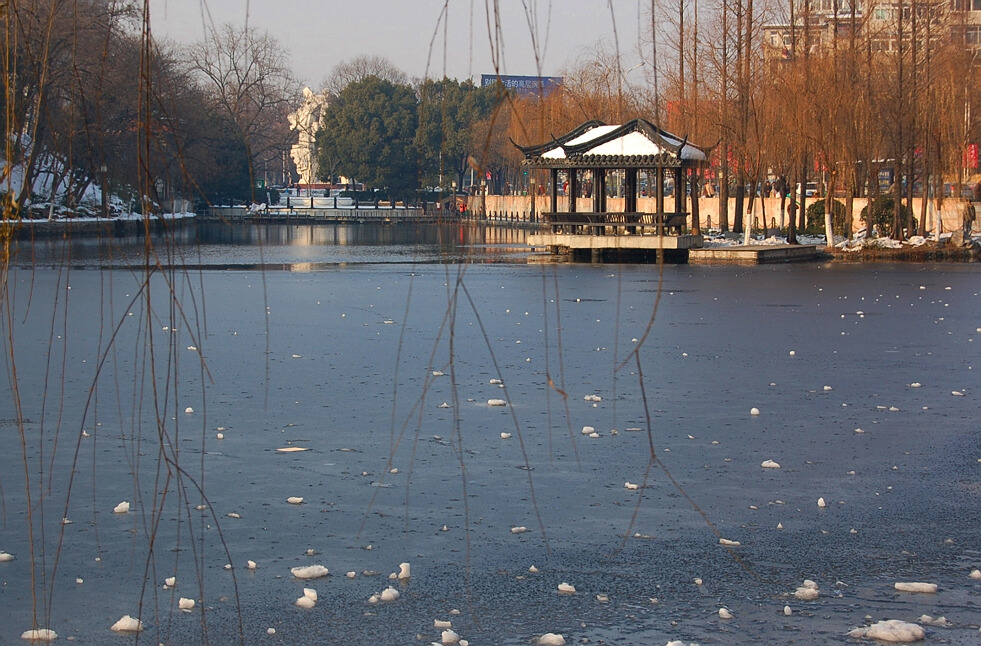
(249, 80)
(361, 67)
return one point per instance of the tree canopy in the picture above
(446, 139)
(368, 132)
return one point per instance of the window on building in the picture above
(967, 5)
(972, 35)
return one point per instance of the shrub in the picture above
(883, 209)
(815, 217)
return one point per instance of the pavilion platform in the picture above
(613, 248)
(752, 254)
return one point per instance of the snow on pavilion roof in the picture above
(637, 144)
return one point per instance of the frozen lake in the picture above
(376, 351)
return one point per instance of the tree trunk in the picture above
(792, 213)
(737, 224)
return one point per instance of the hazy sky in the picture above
(411, 33)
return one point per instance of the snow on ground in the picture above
(715, 239)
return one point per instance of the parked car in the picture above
(810, 189)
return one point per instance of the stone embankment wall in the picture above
(520, 208)
(27, 229)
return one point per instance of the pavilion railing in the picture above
(619, 223)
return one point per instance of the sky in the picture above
(425, 38)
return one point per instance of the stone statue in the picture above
(306, 121)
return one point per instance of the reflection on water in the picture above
(295, 247)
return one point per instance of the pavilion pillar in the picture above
(630, 191)
(679, 190)
(602, 190)
(599, 186)
(659, 194)
(573, 189)
(696, 191)
(554, 189)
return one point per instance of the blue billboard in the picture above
(524, 85)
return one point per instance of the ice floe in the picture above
(551, 639)
(185, 604)
(770, 464)
(916, 586)
(121, 508)
(891, 630)
(306, 602)
(496, 402)
(389, 594)
(43, 635)
(754, 411)
(808, 591)
(309, 572)
(724, 613)
(294, 500)
(728, 543)
(940, 622)
(566, 588)
(127, 624)
(5, 557)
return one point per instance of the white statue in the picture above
(306, 121)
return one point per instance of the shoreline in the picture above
(30, 229)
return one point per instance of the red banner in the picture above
(971, 156)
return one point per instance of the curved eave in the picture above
(556, 142)
(663, 160)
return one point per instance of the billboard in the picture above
(524, 85)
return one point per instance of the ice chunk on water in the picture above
(310, 572)
(916, 586)
(43, 635)
(891, 630)
(127, 624)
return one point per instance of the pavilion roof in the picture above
(636, 144)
